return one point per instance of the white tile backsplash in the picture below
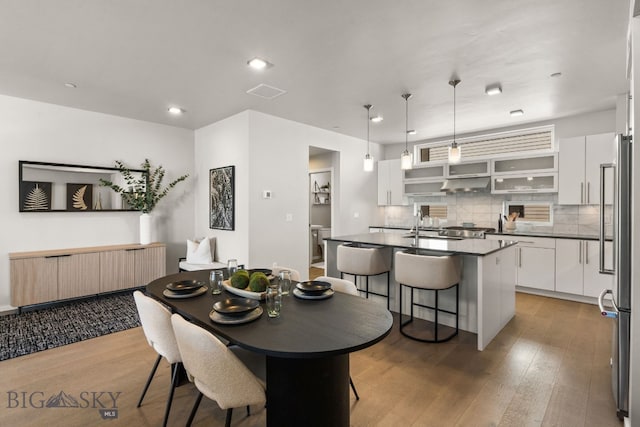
(483, 211)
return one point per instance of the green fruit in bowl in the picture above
(243, 272)
(240, 280)
(258, 282)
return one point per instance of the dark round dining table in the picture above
(307, 348)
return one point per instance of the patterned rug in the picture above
(29, 332)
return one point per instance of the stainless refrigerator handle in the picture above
(601, 268)
(607, 313)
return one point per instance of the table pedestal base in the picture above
(308, 392)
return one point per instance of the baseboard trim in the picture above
(7, 309)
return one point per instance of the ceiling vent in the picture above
(266, 91)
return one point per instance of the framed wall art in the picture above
(35, 196)
(222, 198)
(79, 197)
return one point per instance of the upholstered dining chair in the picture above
(295, 274)
(346, 287)
(231, 376)
(156, 325)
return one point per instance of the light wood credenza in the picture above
(52, 275)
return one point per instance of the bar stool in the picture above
(423, 272)
(365, 261)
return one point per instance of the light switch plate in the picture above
(289, 217)
(266, 194)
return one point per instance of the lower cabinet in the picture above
(46, 276)
(577, 267)
(536, 267)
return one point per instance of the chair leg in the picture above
(194, 409)
(435, 324)
(229, 415)
(367, 282)
(174, 380)
(146, 386)
(388, 287)
(353, 387)
(248, 411)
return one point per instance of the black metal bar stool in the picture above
(434, 273)
(365, 261)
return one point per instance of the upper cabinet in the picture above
(425, 180)
(531, 174)
(390, 191)
(579, 165)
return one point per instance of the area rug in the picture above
(29, 332)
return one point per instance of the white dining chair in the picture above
(346, 287)
(295, 274)
(156, 325)
(231, 376)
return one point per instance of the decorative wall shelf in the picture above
(59, 187)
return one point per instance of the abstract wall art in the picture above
(222, 198)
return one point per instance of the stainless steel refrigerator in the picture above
(620, 303)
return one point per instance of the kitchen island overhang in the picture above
(487, 287)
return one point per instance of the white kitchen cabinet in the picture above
(570, 266)
(536, 267)
(594, 282)
(577, 267)
(579, 169)
(390, 187)
(468, 169)
(535, 260)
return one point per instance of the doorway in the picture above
(322, 201)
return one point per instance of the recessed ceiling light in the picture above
(411, 132)
(493, 90)
(175, 110)
(516, 113)
(71, 85)
(258, 63)
(377, 119)
(556, 75)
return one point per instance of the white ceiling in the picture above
(136, 58)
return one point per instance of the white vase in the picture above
(145, 229)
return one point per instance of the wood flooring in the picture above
(548, 367)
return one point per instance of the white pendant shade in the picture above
(406, 160)
(455, 154)
(368, 163)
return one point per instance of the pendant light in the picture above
(368, 160)
(406, 159)
(455, 152)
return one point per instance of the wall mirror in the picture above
(57, 187)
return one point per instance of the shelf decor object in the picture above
(35, 196)
(79, 197)
(142, 192)
(222, 198)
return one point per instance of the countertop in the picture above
(476, 247)
(514, 234)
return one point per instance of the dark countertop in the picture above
(512, 234)
(476, 247)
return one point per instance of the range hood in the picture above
(466, 184)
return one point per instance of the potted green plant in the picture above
(142, 192)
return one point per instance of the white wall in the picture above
(273, 154)
(50, 133)
(224, 143)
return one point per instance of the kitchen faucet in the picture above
(418, 216)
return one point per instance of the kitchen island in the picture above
(487, 287)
